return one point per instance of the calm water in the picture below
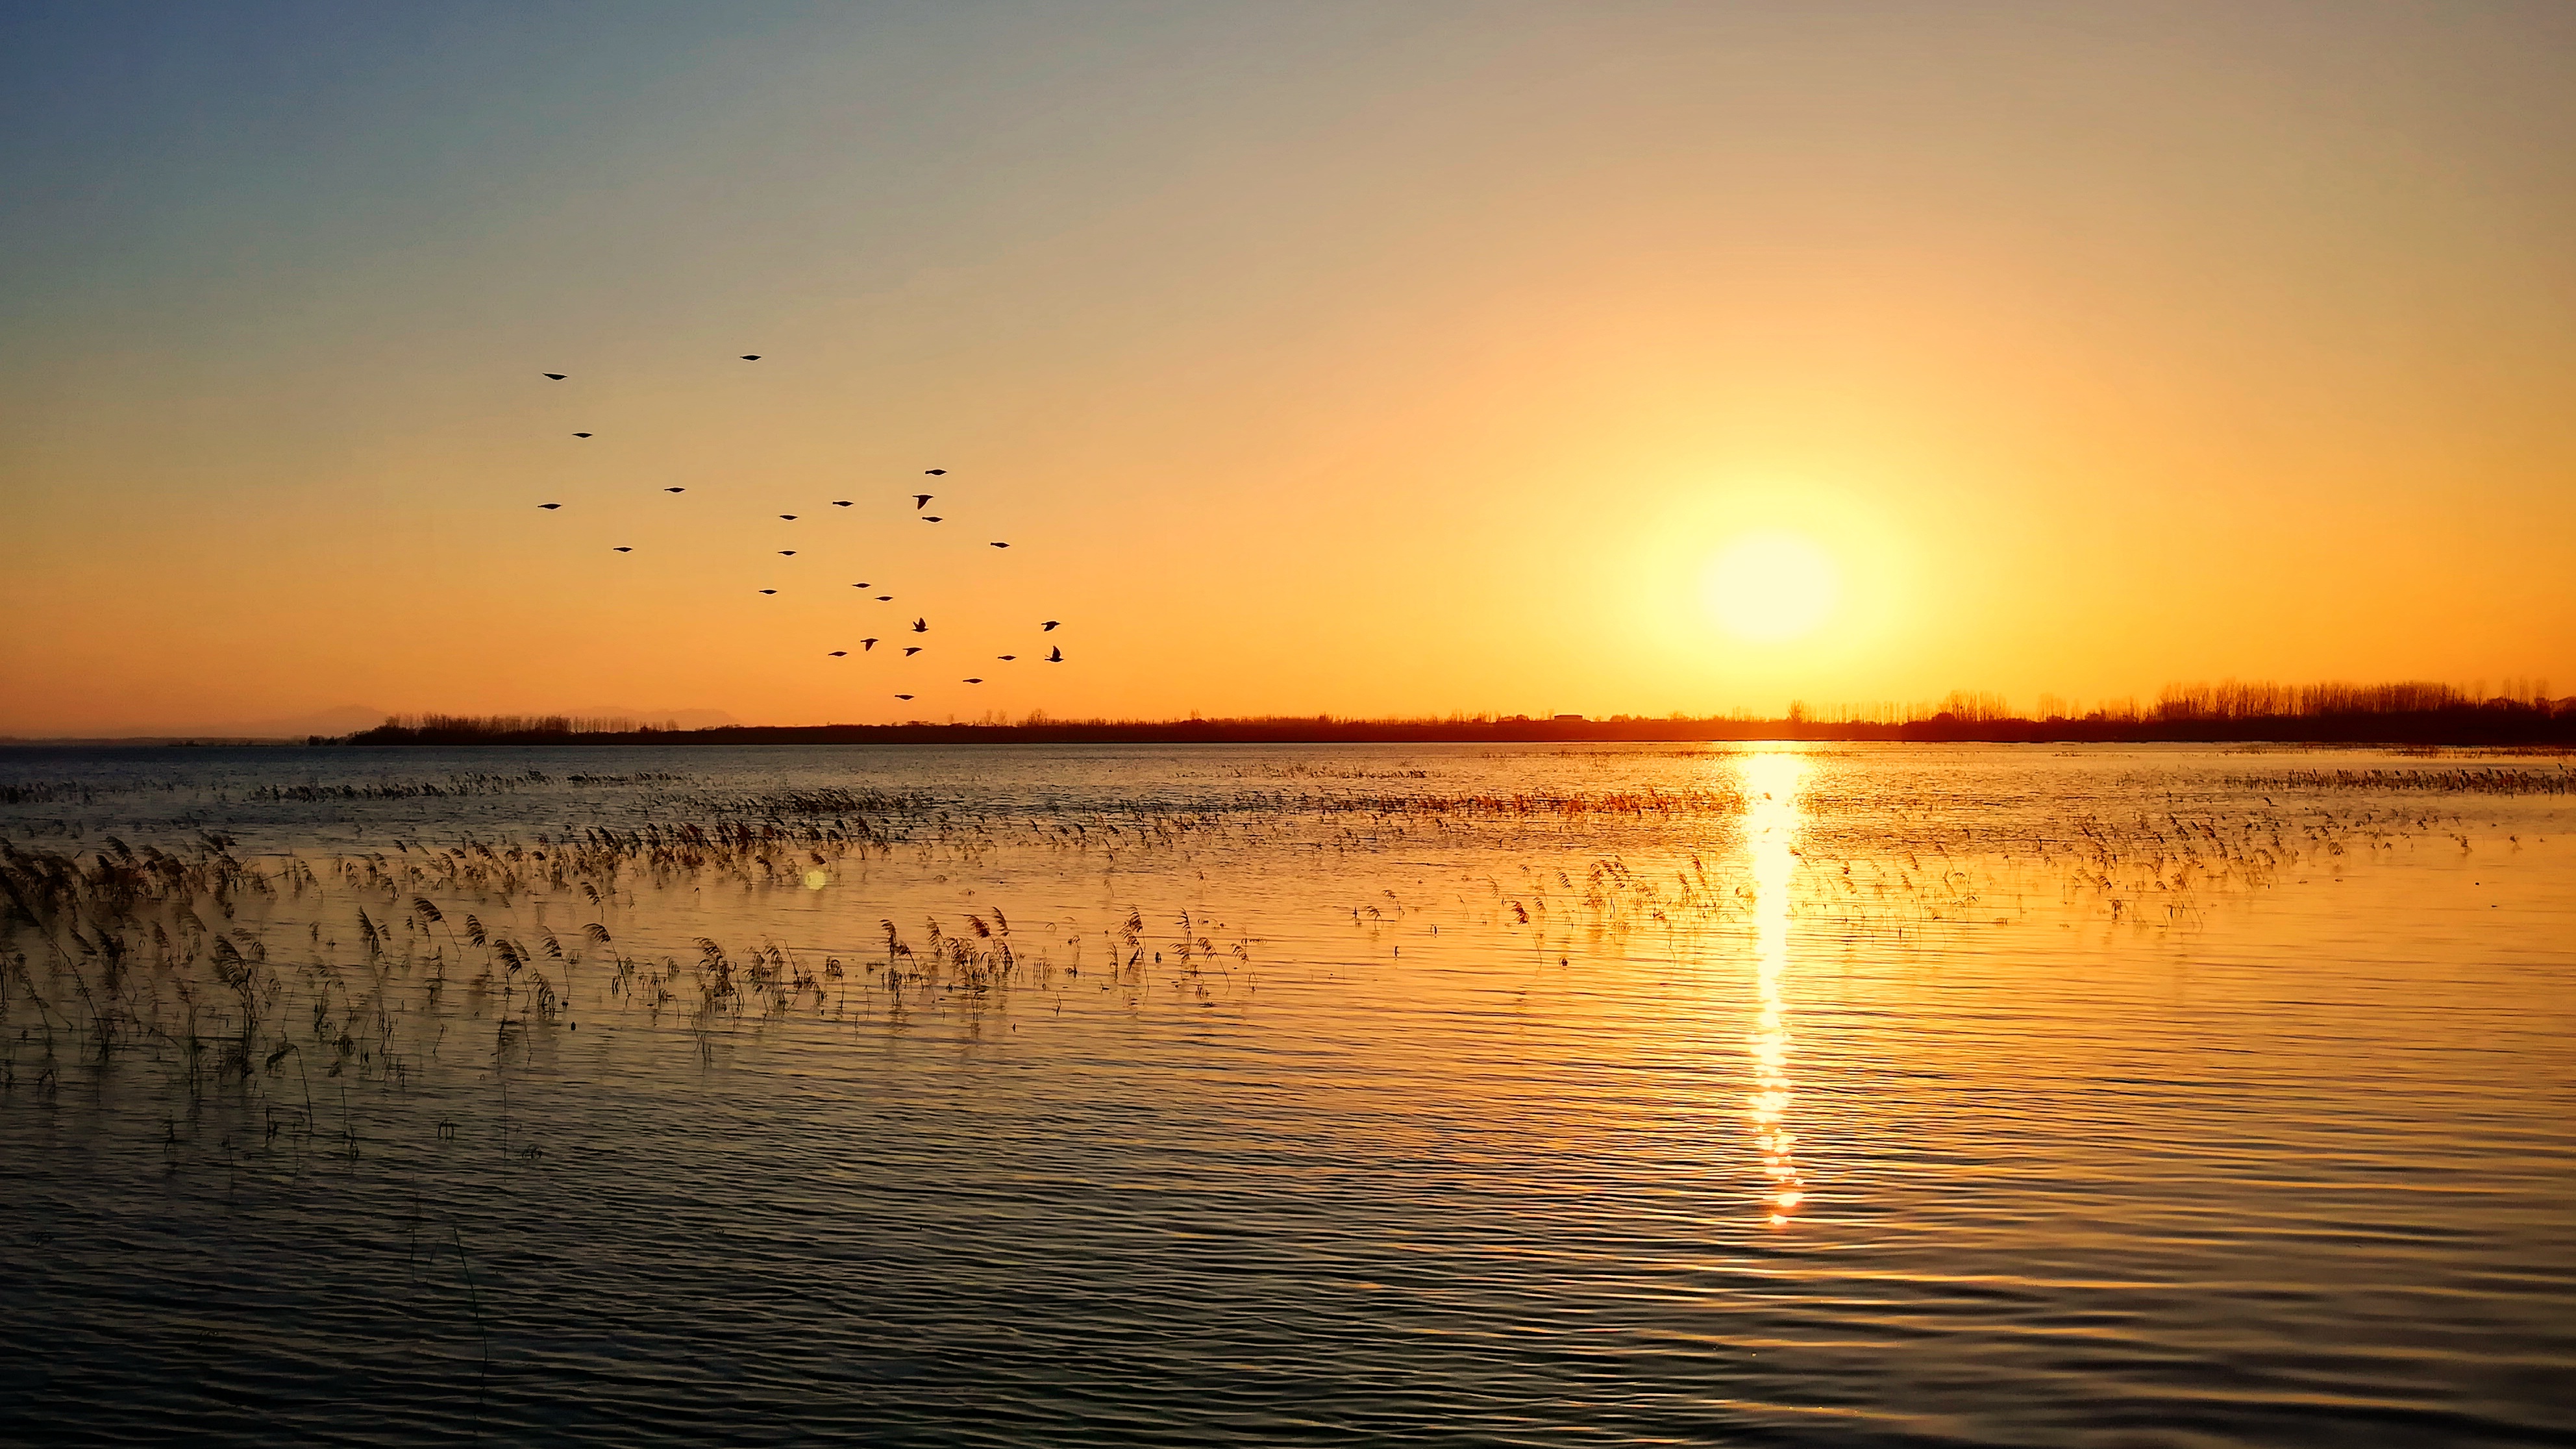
(1261, 1096)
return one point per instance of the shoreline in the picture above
(2469, 729)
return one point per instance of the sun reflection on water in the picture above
(1770, 836)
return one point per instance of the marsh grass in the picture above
(2461, 780)
(273, 982)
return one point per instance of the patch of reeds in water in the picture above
(2465, 780)
(257, 975)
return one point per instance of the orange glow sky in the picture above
(1359, 359)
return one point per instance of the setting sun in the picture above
(1768, 587)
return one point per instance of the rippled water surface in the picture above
(1262, 1096)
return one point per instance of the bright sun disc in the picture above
(1767, 587)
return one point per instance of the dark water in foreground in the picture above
(1262, 1096)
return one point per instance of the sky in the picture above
(1319, 358)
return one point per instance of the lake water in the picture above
(1598, 1095)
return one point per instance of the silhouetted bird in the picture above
(867, 643)
(911, 650)
(1049, 626)
(557, 376)
(787, 553)
(921, 626)
(919, 499)
(769, 591)
(974, 681)
(840, 654)
(840, 503)
(790, 517)
(1055, 656)
(1001, 545)
(858, 586)
(933, 472)
(550, 505)
(751, 357)
(930, 518)
(885, 598)
(1006, 657)
(903, 696)
(675, 490)
(581, 435)
(622, 548)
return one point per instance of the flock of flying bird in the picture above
(920, 502)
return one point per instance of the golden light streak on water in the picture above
(1771, 823)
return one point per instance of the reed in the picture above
(245, 978)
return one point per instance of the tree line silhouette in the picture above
(2231, 711)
